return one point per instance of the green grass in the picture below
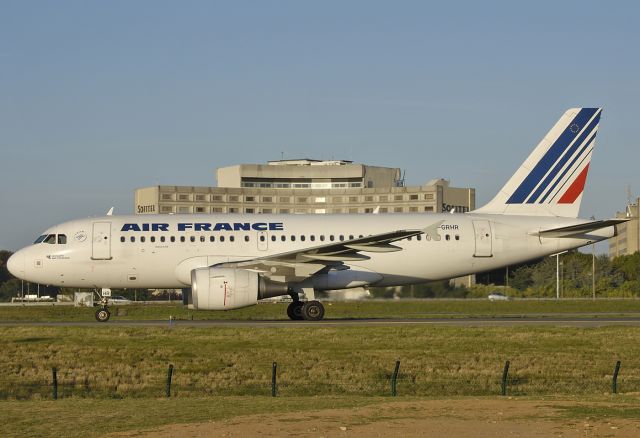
(360, 309)
(131, 362)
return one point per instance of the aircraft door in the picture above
(101, 242)
(484, 247)
(263, 241)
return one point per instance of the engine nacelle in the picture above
(229, 288)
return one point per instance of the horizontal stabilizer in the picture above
(574, 230)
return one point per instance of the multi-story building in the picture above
(628, 239)
(306, 186)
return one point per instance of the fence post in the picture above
(274, 369)
(169, 376)
(505, 378)
(614, 382)
(394, 379)
(54, 384)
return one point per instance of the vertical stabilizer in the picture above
(551, 181)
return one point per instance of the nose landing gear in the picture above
(103, 314)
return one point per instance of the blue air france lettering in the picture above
(205, 226)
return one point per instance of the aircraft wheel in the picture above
(313, 311)
(102, 315)
(294, 310)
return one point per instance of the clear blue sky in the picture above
(98, 98)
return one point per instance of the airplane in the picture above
(229, 261)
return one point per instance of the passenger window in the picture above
(293, 238)
(350, 236)
(133, 239)
(212, 238)
(331, 238)
(262, 238)
(221, 238)
(182, 239)
(321, 238)
(419, 237)
(283, 238)
(273, 238)
(51, 239)
(203, 239)
(142, 239)
(62, 239)
(457, 237)
(152, 238)
(302, 238)
(246, 238)
(232, 238)
(341, 238)
(447, 237)
(192, 238)
(122, 239)
(162, 239)
(172, 238)
(312, 238)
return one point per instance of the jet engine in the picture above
(229, 288)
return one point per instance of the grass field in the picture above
(360, 309)
(226, 371)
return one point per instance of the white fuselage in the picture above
(132, 252)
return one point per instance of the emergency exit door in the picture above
(101, 242)
(484, 246)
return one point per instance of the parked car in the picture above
(119, 299)
(498, 296)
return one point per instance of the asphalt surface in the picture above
(550, 320)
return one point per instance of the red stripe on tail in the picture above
(576, 188)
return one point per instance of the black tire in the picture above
(294, 311)
(103, 314)
(313, 311)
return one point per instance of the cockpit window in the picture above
(62, 239)
(51, 238)
(40, 239)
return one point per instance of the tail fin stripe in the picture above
(551, 157)
(570, 151)
(580, 155)
(587, 159)
(576, 188)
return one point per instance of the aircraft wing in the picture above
(574, 230)
(303, 263)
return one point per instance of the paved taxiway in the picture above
(459, 322)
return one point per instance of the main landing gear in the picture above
(309, 311)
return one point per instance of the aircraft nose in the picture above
(15, 264)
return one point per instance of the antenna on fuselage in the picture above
(110, 212)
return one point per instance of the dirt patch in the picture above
(457, 418)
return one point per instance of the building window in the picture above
(201, 198)
(284, 210)
(397, 209)
(233, 210)
(428, 196)
(301, 200)
(337, 199)
(384, 198)
(368, 210)
(167, 209)
(216, 198)
(250, 199)
(249, 210)
(368, 199)
(183, 209)
(217, 210)
(321, 199)
(200, 210)
(384, 210)
(413, 209)
(267, 210)
(398, 198)
(428, 208)
(353, 210)
(166, 197)
(267, 199)
(183, 197)
(234, 198)
(353, 199)
(284, 200)
(413, 197)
